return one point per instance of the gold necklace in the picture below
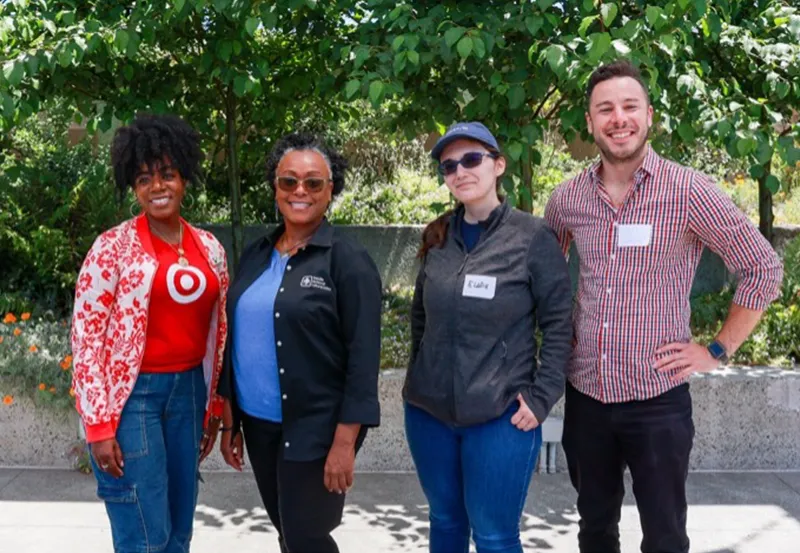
(182, 261)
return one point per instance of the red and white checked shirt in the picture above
(631, 300)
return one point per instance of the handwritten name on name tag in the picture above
(479, 286)
(632, 236)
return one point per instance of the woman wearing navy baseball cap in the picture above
(476, 391)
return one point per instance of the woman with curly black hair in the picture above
(148, 335)
(300, 377)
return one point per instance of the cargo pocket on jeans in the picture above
(125, 515)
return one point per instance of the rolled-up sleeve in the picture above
(721, 226)
(359, 300)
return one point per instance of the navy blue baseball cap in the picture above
(471, 130)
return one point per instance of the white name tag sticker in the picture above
(479, 286)
(633, 236)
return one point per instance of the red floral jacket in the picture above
(109, 323)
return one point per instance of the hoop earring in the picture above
(191, 204)
(130, 209)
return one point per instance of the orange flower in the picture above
(8, 400)
(25, 316)
(68, 359)
(17, 332)
(72, 392)
(52, 389)
(33, 349)
(1, 339)
(64, 366)
(42, 386)
(9, 318)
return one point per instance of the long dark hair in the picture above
(435, 232)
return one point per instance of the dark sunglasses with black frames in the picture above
(470, 160)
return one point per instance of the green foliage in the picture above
(243, 72)
(725, 73)
(396, 328)
(776, 340)
(412, 198)
(56, 200)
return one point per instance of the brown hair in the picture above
(435, 232)
(619, 68)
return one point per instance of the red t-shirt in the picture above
(181, 303)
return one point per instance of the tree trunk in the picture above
(525, 201)
(765, 216)
(233, 178)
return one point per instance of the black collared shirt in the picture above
(327, 338)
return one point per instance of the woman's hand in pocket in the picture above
(524, 419)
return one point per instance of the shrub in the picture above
(56, 200)
(35, 360)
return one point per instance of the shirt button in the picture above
(288, 267)
(277, 315)
(605, 325)
(608, 290)
(279, 343)
(286, 444)
(613, 255)
(281, 371)
(281, 289)
(285, 396)
(604, 357)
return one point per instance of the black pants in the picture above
(294, 494)
(654, 439)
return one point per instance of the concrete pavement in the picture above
(43, 511)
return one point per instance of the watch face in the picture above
(716, 350)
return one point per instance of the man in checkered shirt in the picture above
(639, 223)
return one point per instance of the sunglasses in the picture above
(469, 160)
(311, 184)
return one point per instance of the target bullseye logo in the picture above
(185, 284)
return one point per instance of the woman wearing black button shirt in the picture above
(300, 376)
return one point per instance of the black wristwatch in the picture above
(718, 352)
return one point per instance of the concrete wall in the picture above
(746, 419)
(394, 250)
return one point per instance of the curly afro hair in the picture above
(304, 141)
(150, 139)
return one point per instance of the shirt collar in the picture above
(497, 215)
(323, 236)
(647, 168)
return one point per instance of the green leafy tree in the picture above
(724, 72)
(242, 72)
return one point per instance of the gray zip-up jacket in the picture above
(474, 317)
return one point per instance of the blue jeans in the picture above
(151, 507)
(475, 478)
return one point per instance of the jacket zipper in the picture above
(466, 258)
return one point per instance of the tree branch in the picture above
(554, 109)
(544, 101)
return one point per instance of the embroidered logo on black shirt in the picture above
(311, 281)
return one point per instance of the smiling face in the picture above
(159, 190)
(476, 185)
(619, 118)
(303, 206)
